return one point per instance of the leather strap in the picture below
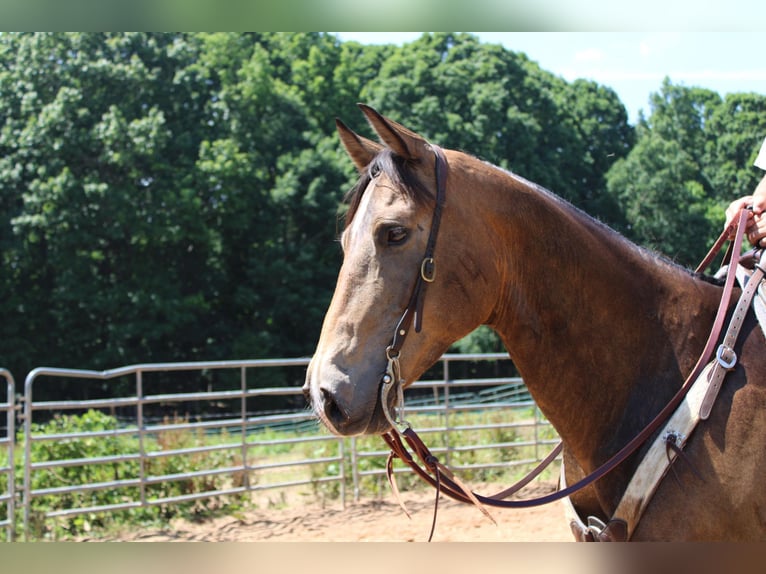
(726, 358)
(679, 427)
(427, 274)
(414, 311)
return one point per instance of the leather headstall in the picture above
(413, 313)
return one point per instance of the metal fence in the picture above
(257, 450)
(7, 482)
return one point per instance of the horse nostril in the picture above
(331, 409)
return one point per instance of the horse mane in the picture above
(400, 171)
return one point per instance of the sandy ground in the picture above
(374, 521)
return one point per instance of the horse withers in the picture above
(602, 331)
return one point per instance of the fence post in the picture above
(537, 433)
(342, 456)
(354, 469)
(141, 446)
(27, 415)
(11, 438)
(447, 446)
(243, 386)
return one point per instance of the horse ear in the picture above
(361, 150)
(402, 141)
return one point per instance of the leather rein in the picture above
(428, 467)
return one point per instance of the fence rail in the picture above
(244, 435)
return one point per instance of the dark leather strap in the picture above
(427, 272)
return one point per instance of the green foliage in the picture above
(163, 197)
(119, 446)
(502, 107)
(662, 199)
(692, 156)
(481, 340)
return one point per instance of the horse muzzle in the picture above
(345, 408)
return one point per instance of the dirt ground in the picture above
(372, 521)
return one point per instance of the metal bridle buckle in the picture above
(428, 270)
(719, 357)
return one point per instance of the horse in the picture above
(602, 331)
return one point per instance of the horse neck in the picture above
(602, 331)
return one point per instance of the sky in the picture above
(633, 64)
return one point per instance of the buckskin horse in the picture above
(604, 332)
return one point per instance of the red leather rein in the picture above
(428, 467)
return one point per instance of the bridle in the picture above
(413, 313)
(435, 473)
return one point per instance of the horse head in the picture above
(390, 225)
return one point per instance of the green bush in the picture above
(89, 473)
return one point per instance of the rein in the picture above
(428, 467)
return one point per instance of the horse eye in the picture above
(374, 170)
(396, 235)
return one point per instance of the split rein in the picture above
(428, 466)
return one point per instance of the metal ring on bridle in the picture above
(428, 270)
(392, 379)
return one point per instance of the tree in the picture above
(736, 129)
(693, 155)
(166, 197)
(105, 250)
(657, 187)
(275, 181)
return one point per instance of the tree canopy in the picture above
(171, 197)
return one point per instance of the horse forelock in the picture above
(401, 173)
